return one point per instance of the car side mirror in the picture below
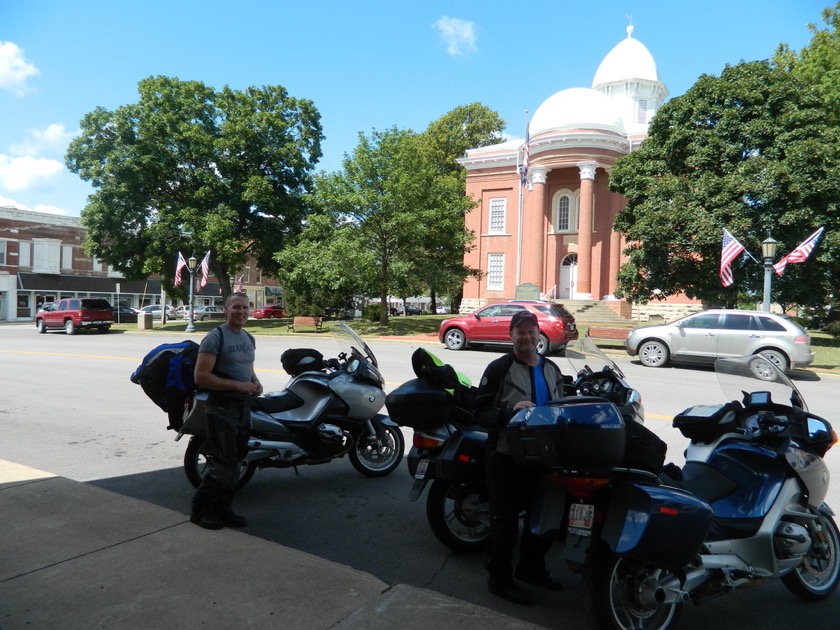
(477, 316)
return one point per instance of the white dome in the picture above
(628, 60)
(576, 108)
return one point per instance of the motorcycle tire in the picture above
(198, 456)
(610, 588)
(373, 458)
(455, 515)
(818, 575)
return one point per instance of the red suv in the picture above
(491, 325)
(73, 314)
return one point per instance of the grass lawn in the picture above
(825, 347)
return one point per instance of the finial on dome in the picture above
(630, 26)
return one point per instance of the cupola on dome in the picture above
(628, 60)
(576, 108)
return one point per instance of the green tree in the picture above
(753, 151)
(319, 272)
(376, 204)
(818, 63)
(190, 169)
(445, 239)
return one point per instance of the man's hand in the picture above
(522, 404)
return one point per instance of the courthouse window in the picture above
(495, 272)
(498, 208)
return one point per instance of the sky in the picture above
(366, 64)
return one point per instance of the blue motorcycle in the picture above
(757, 462)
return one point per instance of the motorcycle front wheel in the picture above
(612, 589)
(818, 575)
(459, 516)
(375, 457)
(198, 456)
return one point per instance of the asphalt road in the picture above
(68, 407)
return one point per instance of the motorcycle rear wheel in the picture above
(611, 586)
(197, 457)
(454, 513)
(375, 458)
(818, 575)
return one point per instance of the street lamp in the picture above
(768, 252)
(190, 321)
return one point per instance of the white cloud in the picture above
(28, 173)
(52, 140)
(14, 69)
(459, 36)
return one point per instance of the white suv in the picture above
(706, 336)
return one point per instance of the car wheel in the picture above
(776, 357)
(653, 353)
(40, 326)
(70, 327)
(203, 318)
(542, 345)
(455, 339)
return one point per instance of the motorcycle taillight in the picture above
(580, 486)
(426, 441)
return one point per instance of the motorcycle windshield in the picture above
(350, 342)
(582, 353)
(758, 380)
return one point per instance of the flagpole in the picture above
(521, 211)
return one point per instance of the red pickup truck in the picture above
(74, 314)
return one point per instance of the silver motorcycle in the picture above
(329, 409)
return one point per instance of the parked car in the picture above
(269, 311)
(182, 312)
(156, 311)
(125, 315)
(491, 325)
(73, 314)
(706, 336)
(410, 309)
(203, 313)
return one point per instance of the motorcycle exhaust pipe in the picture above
(287, 451)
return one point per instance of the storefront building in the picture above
(42, 259)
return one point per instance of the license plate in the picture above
(422, 467)
(581, 516)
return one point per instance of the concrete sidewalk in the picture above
(76, 556)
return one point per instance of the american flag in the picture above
(181, 265)
(730, 251)
(523, 168)
(238, 285)
(205, 269)
(801, 253)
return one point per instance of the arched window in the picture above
(565, 211)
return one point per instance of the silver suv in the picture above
(706, 336)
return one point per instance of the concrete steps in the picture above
(592, 312)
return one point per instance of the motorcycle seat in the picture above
(275, 403)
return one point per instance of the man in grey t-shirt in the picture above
(225, 367)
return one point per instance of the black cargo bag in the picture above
(643, 448)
